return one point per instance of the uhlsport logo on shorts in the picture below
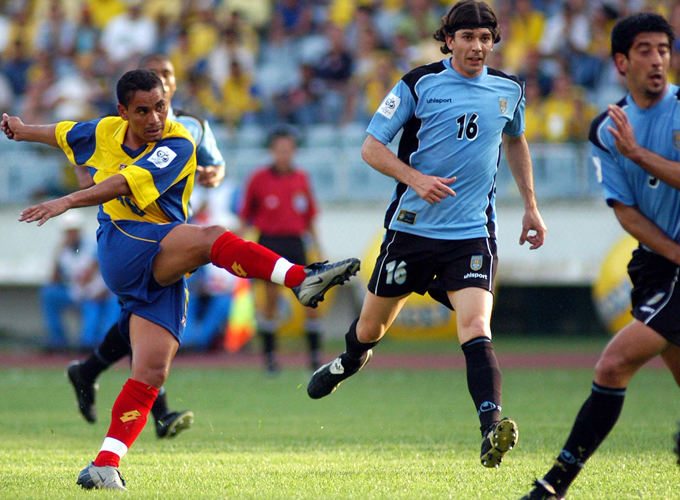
(676, 139)
(389, 106)
(476, 262)
(162, 157)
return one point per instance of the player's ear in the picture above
(621, 63)
(122, 111)
(449, 42)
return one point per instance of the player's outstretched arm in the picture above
(430, 188)
(16, 130)
(665, 170)
(107, 190)
(646, 232)
(519, 162)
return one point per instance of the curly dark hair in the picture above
(132, 81)
(467, 14)
(628, 28)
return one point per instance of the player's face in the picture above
(166, 72)
(470, 49)
(146, 114)
(283, 151)
(646, 67)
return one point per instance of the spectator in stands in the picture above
(335, 70)
(278, 202)
(295, 17)
(524, 34)
(87, 33)
(533, 111)
(77, 284)
(278, 68)
(229, 49)
(566, 34)
(378, 84)
(565, 115)
(55, 34)
(128, 35)
(239, 102)
(16, 67)
(37, 108)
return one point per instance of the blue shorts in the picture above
(126, 252)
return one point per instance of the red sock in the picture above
(128, 418)
(246, 259)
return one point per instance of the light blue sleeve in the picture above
(612, 177)
(207, 152)
(396, 109)
(516, 126)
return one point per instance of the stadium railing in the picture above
(331, 155)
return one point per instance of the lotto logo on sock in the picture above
(238, 270)
(130, 415)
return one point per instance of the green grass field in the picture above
(384, 434)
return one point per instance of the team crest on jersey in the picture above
(503, 104)
(162, 157)
(389, 106)
(476, 262)
(676, 139)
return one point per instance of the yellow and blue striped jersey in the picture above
(160, 174)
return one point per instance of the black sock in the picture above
(111, 350)
(354, 348)
(314, 343)
(268, 345)
(160, 406)
(484, 380)
(597, 417)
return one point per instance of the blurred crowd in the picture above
(300, 61)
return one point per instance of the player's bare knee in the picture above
(153, 375)
(611, 370)
(369, 331)
(206, 239)
(474, 327)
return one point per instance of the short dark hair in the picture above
(157, 57)
(132, 81)
(628, 28)
(467, 14)
(282, 131)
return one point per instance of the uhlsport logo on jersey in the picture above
(389, 106)
(476, 262)
(162, 157)
(676, 139)
(503, 104)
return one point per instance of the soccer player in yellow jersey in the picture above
(144, 168)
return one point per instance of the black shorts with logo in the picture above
(291, 248)
(656, 295)
(409, 263)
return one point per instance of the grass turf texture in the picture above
(384, 434)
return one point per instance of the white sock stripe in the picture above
(280, 269)
(114, 446)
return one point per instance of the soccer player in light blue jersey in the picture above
(210, 172)
(636, 153)
(456, 115)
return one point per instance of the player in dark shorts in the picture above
(636, 153)
(455, 115)
(279, 203)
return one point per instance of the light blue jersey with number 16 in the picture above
(453, 126)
